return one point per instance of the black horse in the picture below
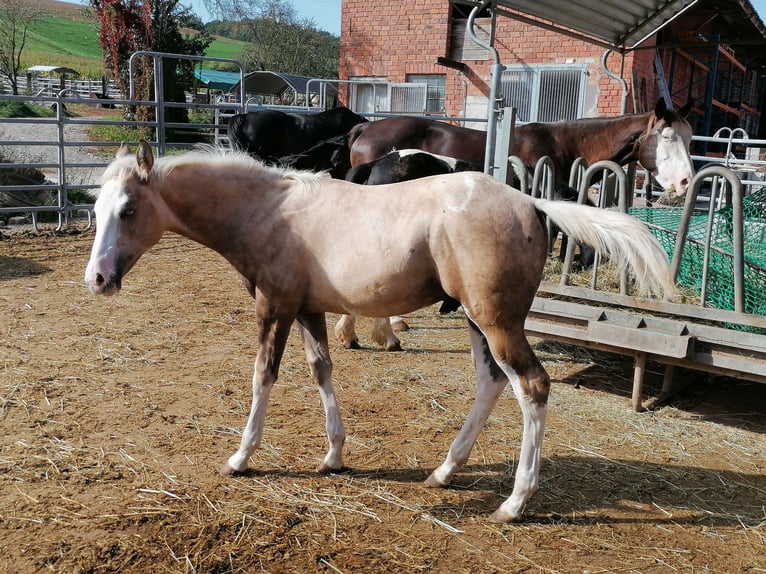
(271, 134)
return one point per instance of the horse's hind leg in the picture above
(501, 355)
(531, 385)
(314, 333)
(345, 332)
(490, 382)
(383, 334)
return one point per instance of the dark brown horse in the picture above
(659, 140)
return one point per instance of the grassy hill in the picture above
(68, 36)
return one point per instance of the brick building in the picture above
(711, 52)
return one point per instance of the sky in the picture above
(325, 13)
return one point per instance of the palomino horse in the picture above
(658, 140)
(463, 235)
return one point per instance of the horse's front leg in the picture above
(314, 333)
(273, 333)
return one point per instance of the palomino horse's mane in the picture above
(214, 158)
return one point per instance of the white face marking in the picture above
(674, 165)
(103, 257)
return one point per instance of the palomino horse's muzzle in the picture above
(101, 286)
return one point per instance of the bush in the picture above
(20, 109)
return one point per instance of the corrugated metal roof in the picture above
(266, 82)
(619, 24)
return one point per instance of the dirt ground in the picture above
(116, 414)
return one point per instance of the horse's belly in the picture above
(374, 290)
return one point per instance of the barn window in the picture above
(544, 93)
(375, 94)
(368, 94)
(435, 94)
(461, 46)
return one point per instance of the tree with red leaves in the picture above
(128, 26)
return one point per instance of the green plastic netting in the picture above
(664, 222)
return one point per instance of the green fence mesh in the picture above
(664, 222)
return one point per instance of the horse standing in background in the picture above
(659, 140)
(271, 134)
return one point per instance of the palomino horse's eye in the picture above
(128, 211)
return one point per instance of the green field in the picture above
(62, 42)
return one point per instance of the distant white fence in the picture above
(49, 86)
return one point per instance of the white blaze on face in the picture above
(103, 256)
(674, 165)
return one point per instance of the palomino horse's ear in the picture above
(687, 107)
(144, 158)
(124, 149)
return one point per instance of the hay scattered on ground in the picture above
(118, 412)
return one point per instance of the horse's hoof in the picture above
(395, 347)
(353, 345)
(400, 326)
(503, 517)
(227, 470)
(433, 482)
(326, 469)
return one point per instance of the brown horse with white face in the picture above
(659, 140)
(464, 235)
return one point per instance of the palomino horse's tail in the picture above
(623, 239)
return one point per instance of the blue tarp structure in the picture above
(267, 87)
(215, 80)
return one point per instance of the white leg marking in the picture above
(528, 468)
(251, 435)
(314, 335)
(336, 432)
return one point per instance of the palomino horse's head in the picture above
(663, 149)
(128, 219)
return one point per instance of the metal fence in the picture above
(45, 161)
(61, 150)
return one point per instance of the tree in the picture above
(125, 29)
(128, 26)
(178, 74)
(16, 18)
(278, 40)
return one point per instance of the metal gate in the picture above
(545, 93)
(407, 98)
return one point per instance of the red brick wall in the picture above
(388, 39)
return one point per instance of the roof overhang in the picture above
(268, 83)
(617, 24)
(53, 70)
